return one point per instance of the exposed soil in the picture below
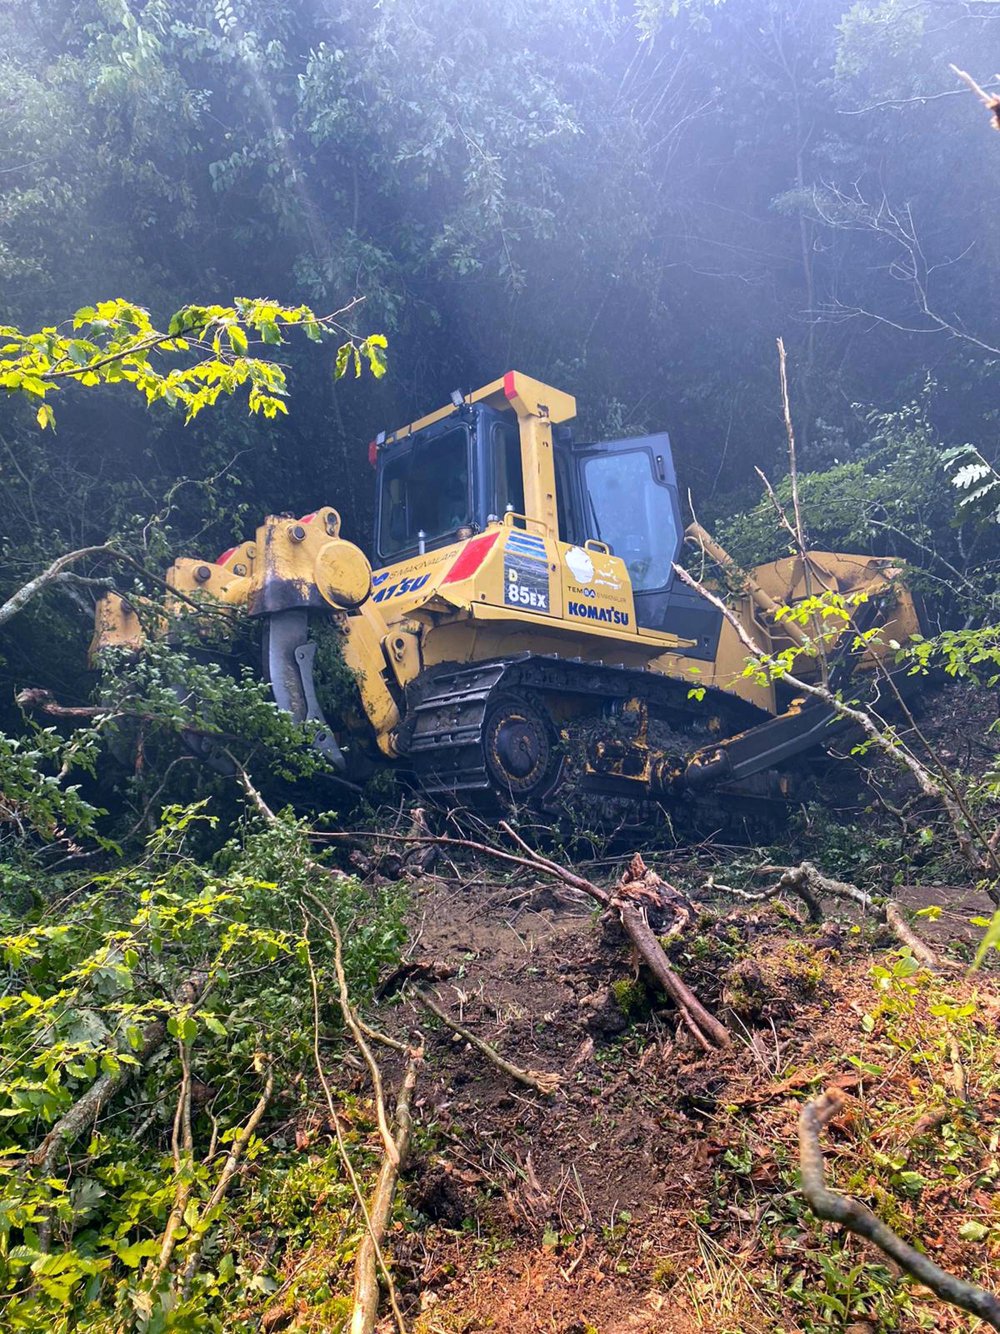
(633, 1199)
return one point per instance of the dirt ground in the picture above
(655, 1190)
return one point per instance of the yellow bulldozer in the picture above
(520, 632)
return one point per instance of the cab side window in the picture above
(508, 477)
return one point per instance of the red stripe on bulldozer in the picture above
(471, 557)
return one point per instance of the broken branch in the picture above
(541, 1081)
(366, 1292)
(19, 600)
(834, 1207)
(992, 104)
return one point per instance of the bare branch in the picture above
(992, 104)
(833, 1207)
(366, 1292)
(19, 600)
(541, 1081)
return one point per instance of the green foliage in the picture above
(976, 479)
(971, 654)
(887, 501)
(164, 691)
(36, 800)
(990, 940)
(87, 978)
(824, 617)
(115, 342)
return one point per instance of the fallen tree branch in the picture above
(704, 1025)
(534, 862)
(799, 888)
(351, 1020)
(920, 950)
(834, 1207)
(90, 1104)
(541, 1081)
(33, 699)
(811, 884)
(19, 600)
(266, 814)
(229, 1169)
(636, 927)
(366, 1294)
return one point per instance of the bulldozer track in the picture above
(447, 710)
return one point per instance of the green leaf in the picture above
(374, 348)
(972, 1231)
(989, 941)
(45, 416)
(237, 340)
(913, 1182)
(135, 1254)
(182, 1026)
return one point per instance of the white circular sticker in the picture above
(581, 567)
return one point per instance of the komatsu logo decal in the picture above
(410, 585)
(592, 613)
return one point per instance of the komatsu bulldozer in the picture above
(519, 632)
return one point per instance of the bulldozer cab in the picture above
(449, 478)
(446, 482)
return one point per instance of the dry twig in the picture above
(991, 103)
(541, 1081)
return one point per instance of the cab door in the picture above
(626, 496)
